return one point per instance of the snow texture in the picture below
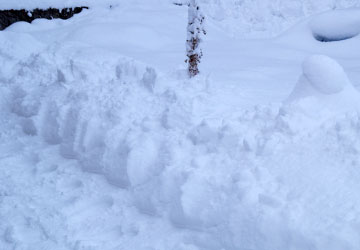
(106, 144)
(267, 18)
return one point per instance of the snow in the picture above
(106, 144)
(325, 74)
(268, 18)
(44, 4)
(322, 91)
(334, 25)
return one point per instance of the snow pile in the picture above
(336, 25)
(219, 183)
(322, 92)
(324, 86)
(82, 122)
(187, 170)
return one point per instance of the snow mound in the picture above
(183, 160)
(322, 90)
(325, 74)
(336, 25)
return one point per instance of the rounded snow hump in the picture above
(336, 25)
(324, 74)
(323, 85)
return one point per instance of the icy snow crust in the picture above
(106, 145)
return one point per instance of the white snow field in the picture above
(106, 145)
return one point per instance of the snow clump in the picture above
(325, 81)
(322, 92)
(325, 74)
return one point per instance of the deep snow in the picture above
(105, 144)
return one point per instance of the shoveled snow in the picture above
(105, 143)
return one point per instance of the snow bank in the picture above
(93, 126)
(259, 178)
(218, 183)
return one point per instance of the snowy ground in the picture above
(106, 145)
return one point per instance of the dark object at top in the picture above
(329, 38)
(8, 17)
